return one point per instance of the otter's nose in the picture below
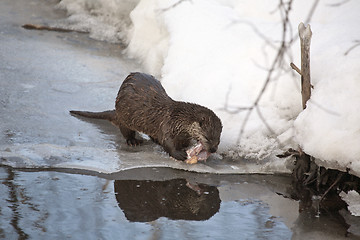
(213, 149)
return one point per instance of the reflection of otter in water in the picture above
(145, 201)
(142, 105)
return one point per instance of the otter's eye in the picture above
(202, 122)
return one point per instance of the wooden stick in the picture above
(47, 28)
(305, 40)
(304, 162)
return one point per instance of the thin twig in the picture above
(293, 66)
(242, 130)
(332, 185)
(327, 110)
(277, 61)
(307, 20)
(174, 5)
(236, 110)
(312, 10)
(261, 116)
(226, 107)
(338, 4)
(258, 32)
(353, 47)
(47, 28)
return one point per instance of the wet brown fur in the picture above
(142, 105)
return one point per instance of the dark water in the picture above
(157, 204)
(55, 205)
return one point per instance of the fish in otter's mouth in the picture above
(197, 153)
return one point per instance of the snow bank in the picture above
(329, 128)
(218, 53)
(105, 20)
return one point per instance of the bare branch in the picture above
(357, 43)
(312, 10)
(242, 129)
(265, 122)
(232, 109)
(308, 18)
(285, 10)
(332, 185)
(293, 66)
(236, 110)
(277, 67)
(47, 28)
(329, 111)
(338, 4)
(258, 32)
(174, 5)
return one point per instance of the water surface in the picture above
(159, 203)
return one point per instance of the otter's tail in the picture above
(107, 115)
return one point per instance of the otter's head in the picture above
(207, 129)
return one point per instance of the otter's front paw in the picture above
(133, 142)
(179, 155)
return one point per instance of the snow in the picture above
(352, 198)
(218, 52)
(100, 18)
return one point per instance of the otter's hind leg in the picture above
(130, 136)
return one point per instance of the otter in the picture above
(142, 105)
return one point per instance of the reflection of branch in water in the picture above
(13, 200)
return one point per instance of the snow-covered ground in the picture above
(218, 53)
